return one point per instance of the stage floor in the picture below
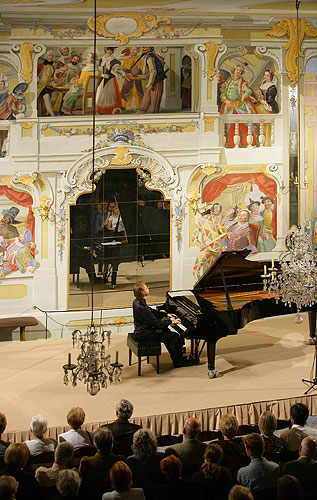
(265, 361)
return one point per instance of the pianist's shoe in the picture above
(185, 362)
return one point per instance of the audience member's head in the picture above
(144, 444)
(68, 483)
(212, 457)
(229, 425)
(8, 487)
(238, 492)
(299, 414)
(289, 488)
(191, 428)
(17, 454)
(121, 476)
(308, 447)
(76, 417)
(38, 426)
(124, 409)
(254, 445)
(267, 423)
(103, 439)
(64, 453)
(3, 423)
(171, 467)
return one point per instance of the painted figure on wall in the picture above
(64, 57)
(208, 235)
(311, 227)
(21, 253)
(132, 89)
(45, 79)
(15, 104)
(268, 93)
(8, 222)
(241, 236)
(73, 98)
(4, 87)
(108, 98)
(267, 238)
(153, 71)
(236, 98)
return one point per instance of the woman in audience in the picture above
(121, 481)
(289, 488)
(145, 463)
(267, 425)
(234, 455)
(15, 459)
(212, 480)
(8, 488)
(238, 492)
(175, 487)
(68, 484)
(40, 444)
(76, 436)
(95, 470)
(3, 444)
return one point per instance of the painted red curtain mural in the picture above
(23, 199)
(266, 185)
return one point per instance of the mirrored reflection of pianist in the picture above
(150, 324)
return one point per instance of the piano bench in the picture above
(143, 348)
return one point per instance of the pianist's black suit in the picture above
(149, 325)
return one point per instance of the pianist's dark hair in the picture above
(138, 289)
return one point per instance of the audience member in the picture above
(267, 425)
(234, 455)
(95, 470)
(8, 488)
(260, 474)
(3, 444)
(40, 444)
(68, 484)
(289, 488)
(63, 454)
(76, 435)
(121, 428)
(293, 437)
(145, 462)
(176, 486)
(212, 480)
(239, 492)
(304, 468)
(121, 481)
(15, 459)
(191, 450)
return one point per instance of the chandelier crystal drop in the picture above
(296, 280)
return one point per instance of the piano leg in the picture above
(312, 326)
(211, 354)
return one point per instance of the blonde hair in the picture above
(76, 417)
(229, 425)
(267, 423)
(17, 454)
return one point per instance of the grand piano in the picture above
(226, 298)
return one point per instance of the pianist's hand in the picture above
(170, 315)
(175, 321)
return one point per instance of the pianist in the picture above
(150, 324)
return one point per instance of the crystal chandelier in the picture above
(296, 280)
(93, 366)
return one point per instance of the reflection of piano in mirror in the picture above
(227, 297)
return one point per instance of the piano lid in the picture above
(236, 268)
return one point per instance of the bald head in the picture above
(191, 428)
(307, 447)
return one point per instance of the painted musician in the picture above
(149, 324)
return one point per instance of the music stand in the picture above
(312, 383)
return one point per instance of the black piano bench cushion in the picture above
(143, 348)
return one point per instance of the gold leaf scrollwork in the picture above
(194, 200)
(122, 156)
(26, 51)
(27, 180)
(44, 208)
(145, 23)
(26, 125)
(212, 51)
(288, 27)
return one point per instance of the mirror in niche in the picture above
(131, 242)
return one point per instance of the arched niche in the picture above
(144, 187)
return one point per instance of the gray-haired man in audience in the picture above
(121, 428)
(63, 454)
(40, 444)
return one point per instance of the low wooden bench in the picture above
(20, 322)
(144, 348)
